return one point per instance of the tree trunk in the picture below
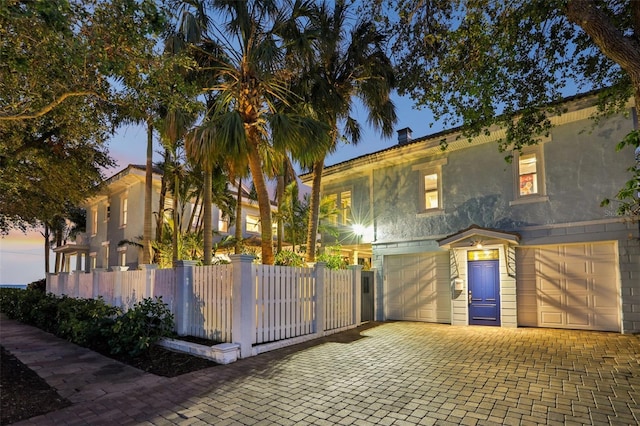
(208, 228)
(148, 193)
(193, 213)
(314, 210)
(264, 202)
(238, 231)
(163, 195)
(279, 196)
(623, 50)
(59, 256)
(176, 226)
(47, 247)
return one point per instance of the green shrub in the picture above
(87, 322)
(333, 258)
(40, 285)
(289, 258)
(140, 327)
(10, 301)
(91, 322)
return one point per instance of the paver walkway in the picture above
(397, 373)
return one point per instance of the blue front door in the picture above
(484, 292)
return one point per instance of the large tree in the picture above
(59, 61)
(477, 63)
(244, 54)
(58, 50)
(49, 163)
(349, 62)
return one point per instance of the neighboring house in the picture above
(463, 237)
(117, 214)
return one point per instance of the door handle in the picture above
(470, 297)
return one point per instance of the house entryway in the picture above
(484, 292)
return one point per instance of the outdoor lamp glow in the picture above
(358, 229)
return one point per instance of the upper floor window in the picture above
(252, 224)
(94, 221)
(332, 200)
(431, 197)
(529, 175)
(430, 186)
(123, 211)
(107, 212)
(345, 207)
(223, 223)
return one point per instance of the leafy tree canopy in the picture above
(60, 62)
(51, 51)
(481, 62)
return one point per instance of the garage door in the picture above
(568, 286)
(417, 287)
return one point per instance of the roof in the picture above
(431, 144)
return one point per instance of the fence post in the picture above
(75, 276)
(149, 277)
(356, 280)
(319, 272)
(243, 310)
(117, 288)
(184, 296)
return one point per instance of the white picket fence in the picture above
(272, 304)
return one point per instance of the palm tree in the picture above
(346, 65)
(246, 66)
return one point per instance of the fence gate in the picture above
(367, 296)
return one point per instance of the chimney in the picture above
(404, 136)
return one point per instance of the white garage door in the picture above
(568, 286)
(417, 287)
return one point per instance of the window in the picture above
(93, 260)
(332, 200)
(197, 209)
(105, 255)
(107, 212)
(431, 198)
(430, 186)
(122, 256)
(123, 212)
(252, 224)
(529, 176)
(94, 221)
(345, 207)
(223, 223)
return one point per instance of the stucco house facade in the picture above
(463, 237)
(117, 214)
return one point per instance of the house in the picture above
(117, 214)
(462, 237)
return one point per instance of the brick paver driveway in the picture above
(400, 373)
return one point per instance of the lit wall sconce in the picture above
(476, 243)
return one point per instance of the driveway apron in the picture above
(397, 373)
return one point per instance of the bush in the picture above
(333, 258)
(140, 327)
(10, 301)
(87, 322)
(289, 258)
(91, 322)
(40, 285)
